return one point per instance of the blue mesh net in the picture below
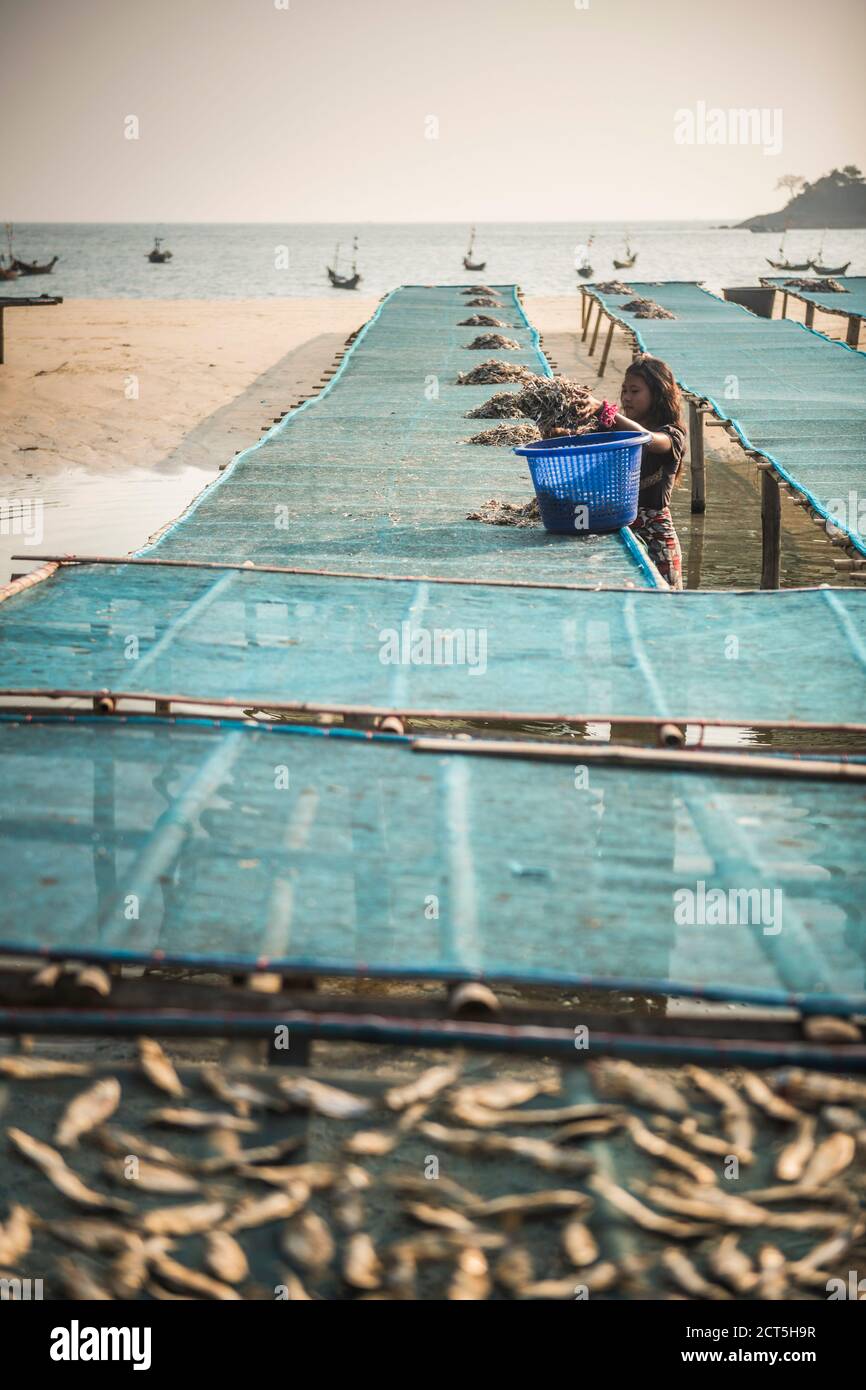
(853, 301)
(792, 394)
(256, 636)
(245, 847)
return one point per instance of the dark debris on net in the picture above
(478, 289)
(500, 435)
(481, 321)
(613, 287)
(648, 309)
(496, 512)
(483, 302)
(492, 340)
(492, 371)
(826, 286)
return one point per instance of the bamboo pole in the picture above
(607, 343)
(696, 458)
(620, 755)
(597, 326)
(205, 702)
(771, 530)
(590, 301)
(810, 313)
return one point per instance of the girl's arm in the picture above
(658, 443)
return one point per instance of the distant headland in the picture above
(836, 200)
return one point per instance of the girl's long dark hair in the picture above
(667, 406)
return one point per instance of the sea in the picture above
(269, 260)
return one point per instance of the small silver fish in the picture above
(732, 1266)
(307, 1241)
(831, 1157)
(330, 1101)
(78, 1282)
(362, 1267)
(54, 1167)
(186, 1220)
(471, 1281)
(644, 1087)
(425, 1087)
(579, 1243)
(87, 1110)
(260, 1211)
(791, 1163)
(16, 1234)
(179, 1276)
(688, 1277)
(159, 1068)
(200, 1119)
(20, 1068)
(150, 1177)
(641, 1215)
(225, 1257)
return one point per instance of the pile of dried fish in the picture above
(484, 302)
(491, 371)
(685, 1142)
(492, 340)
(507, 434)
(826, 286)
(495, 512)
(505, 405)
(477, 289)
(648, 309)
(481, 321)
(554, 402)
(613, 287)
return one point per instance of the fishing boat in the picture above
(8, 272)
(157, 256)
(782, 263)
(345, 282)
(468, 263)
(583, 266)
(33, 267)
(829, 269)
(629, 259)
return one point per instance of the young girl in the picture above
(651, 401)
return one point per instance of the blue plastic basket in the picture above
(586, 482)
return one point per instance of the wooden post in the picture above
(785, 304)
(810, 314)
(595, 334)
(852, 337)
(694, 564)
(1, 335)
(607, 342)
(590, 303)
(771, 530)
(584, 301)
(696, 458)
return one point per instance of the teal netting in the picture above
(791, 393)
(372, 475)
(403, 645)
(853, 301)
(249, 848)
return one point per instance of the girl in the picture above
(651, 402)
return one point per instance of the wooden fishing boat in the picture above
(468, 263)
(33, 267)
(628, 260)
(8, 272)
(344, 282)
(157, 256)
(583, 266)
(783, 263)
(828, 269)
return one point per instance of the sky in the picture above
(418, 110)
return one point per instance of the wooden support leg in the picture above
(785, 305)
(595, 334)
(607, 342)
(584, 301)
(771, 530)
(1, 337)
(810, 315)
(589, 304)
(852, 337)
(696, 458)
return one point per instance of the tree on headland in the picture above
(792, 183)
(837, 199)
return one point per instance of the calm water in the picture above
(108, 261)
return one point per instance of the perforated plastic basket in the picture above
(586, 482)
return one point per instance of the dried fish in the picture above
(200, 1119)
(791, 1163)
(482, 1117)
(613, 287)
(765, 1098)
(495, 512)
(362, 1267)
(123, 1142)
(242, 1158)
(830, 1029)
(842, 1117)
(307, 1241)
(186, 1220)
(87, 1110)
(481, 321)
(539, 1151)
(130, 1269)
(478, 289)
(441, 1245)
(688, 1131)
(151, 1177)
(55, 1169)
(772, 1280)
(471, 1277)
(425, 1087)
(829, 1250)
(431, 1189)
(179, 1276)
(514, 1268)
(832, 1156)
(225, 1257)
(47, 977)
(644, 1138)
(159, 1291)
(78, 1281)
(503, 405)
(532, 1203)
(801, 1192)
(580, 1244)
(819, 1088)
(295, 1291)
(499, 436)
(159, 1069)
(557, 404)
(94, 978)
(688, 1277)
(709, 1204)
(316, 1176)
(598, 1279)
(21, 1068)
(16, 1234)
(736, 1120)
(492, 341)
(239, 1094)
(308, 1094)
(259, 1211)
(371, 1143)
(825, 285)
(492, 371)
(732, 1266)
(94, 1235)
(411, 1116)
(642, 1216)
(647, 309)
(444, 1217)
(588, 1129)
(643, 1087)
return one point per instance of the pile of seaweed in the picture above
(826, 286)
(492, 340)
(648, 309)
(492, 371)
(507, 434)
(481, 321)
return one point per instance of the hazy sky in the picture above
(320, 110)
